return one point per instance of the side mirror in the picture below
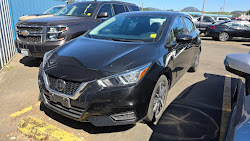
(184, 38)
(239, 64)
(102, 15)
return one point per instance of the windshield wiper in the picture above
(124, 40)
(89, 36)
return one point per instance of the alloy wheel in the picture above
(223, 36)
(160, 98)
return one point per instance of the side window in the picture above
(118, 8)
(207, 19)
(236, 25)
(172, 38)
(189, 25)
(106, 8)
(178, 28)
(246, 25)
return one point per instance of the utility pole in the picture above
(201, 19)
(142, 6)
(202, 11)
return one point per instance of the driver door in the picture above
(181, 52)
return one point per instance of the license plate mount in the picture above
(25, 52)
(58, 99)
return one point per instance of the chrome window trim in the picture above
(129, 10)
(74, 96)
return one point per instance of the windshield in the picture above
(52, 10)
(131, 28)
(77, 9)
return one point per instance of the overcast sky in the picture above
(210, 5)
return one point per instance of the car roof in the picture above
(60, 6)
(102, 2)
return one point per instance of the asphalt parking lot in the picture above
(200, 108)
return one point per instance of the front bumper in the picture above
(100, 106)
(38, 49)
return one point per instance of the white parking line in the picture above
(226, 107)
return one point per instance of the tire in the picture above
(224, 36)
(194, 67)
(154, 114)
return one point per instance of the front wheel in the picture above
(224, 36)
(158, 100)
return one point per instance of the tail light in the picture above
(212, 27)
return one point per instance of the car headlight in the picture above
(127, 78)
(54, 33)
(46, 57)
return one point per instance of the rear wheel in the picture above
(224, 36)
(158, 100)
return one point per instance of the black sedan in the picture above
(120, 72)
(227, 30)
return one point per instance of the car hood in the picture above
(33, 17)
(86, 59)
(56, 20)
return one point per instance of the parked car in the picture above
(37, 36)
(226, 30)
(194, 17)
(50, 12)
(120, 72)
(240, 19)
(221, 19)
(203, 22)
(239, 125)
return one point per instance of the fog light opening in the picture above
(124, 116)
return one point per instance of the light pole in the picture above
(202, 12)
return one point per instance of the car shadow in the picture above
(194, 115)
(31, 62)
(246, 45)
(236, 39)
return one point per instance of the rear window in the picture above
(222, 19)
(134, 8)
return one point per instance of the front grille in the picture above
(70, 88)
(74, 112)
(30, 29)
(29, 39)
